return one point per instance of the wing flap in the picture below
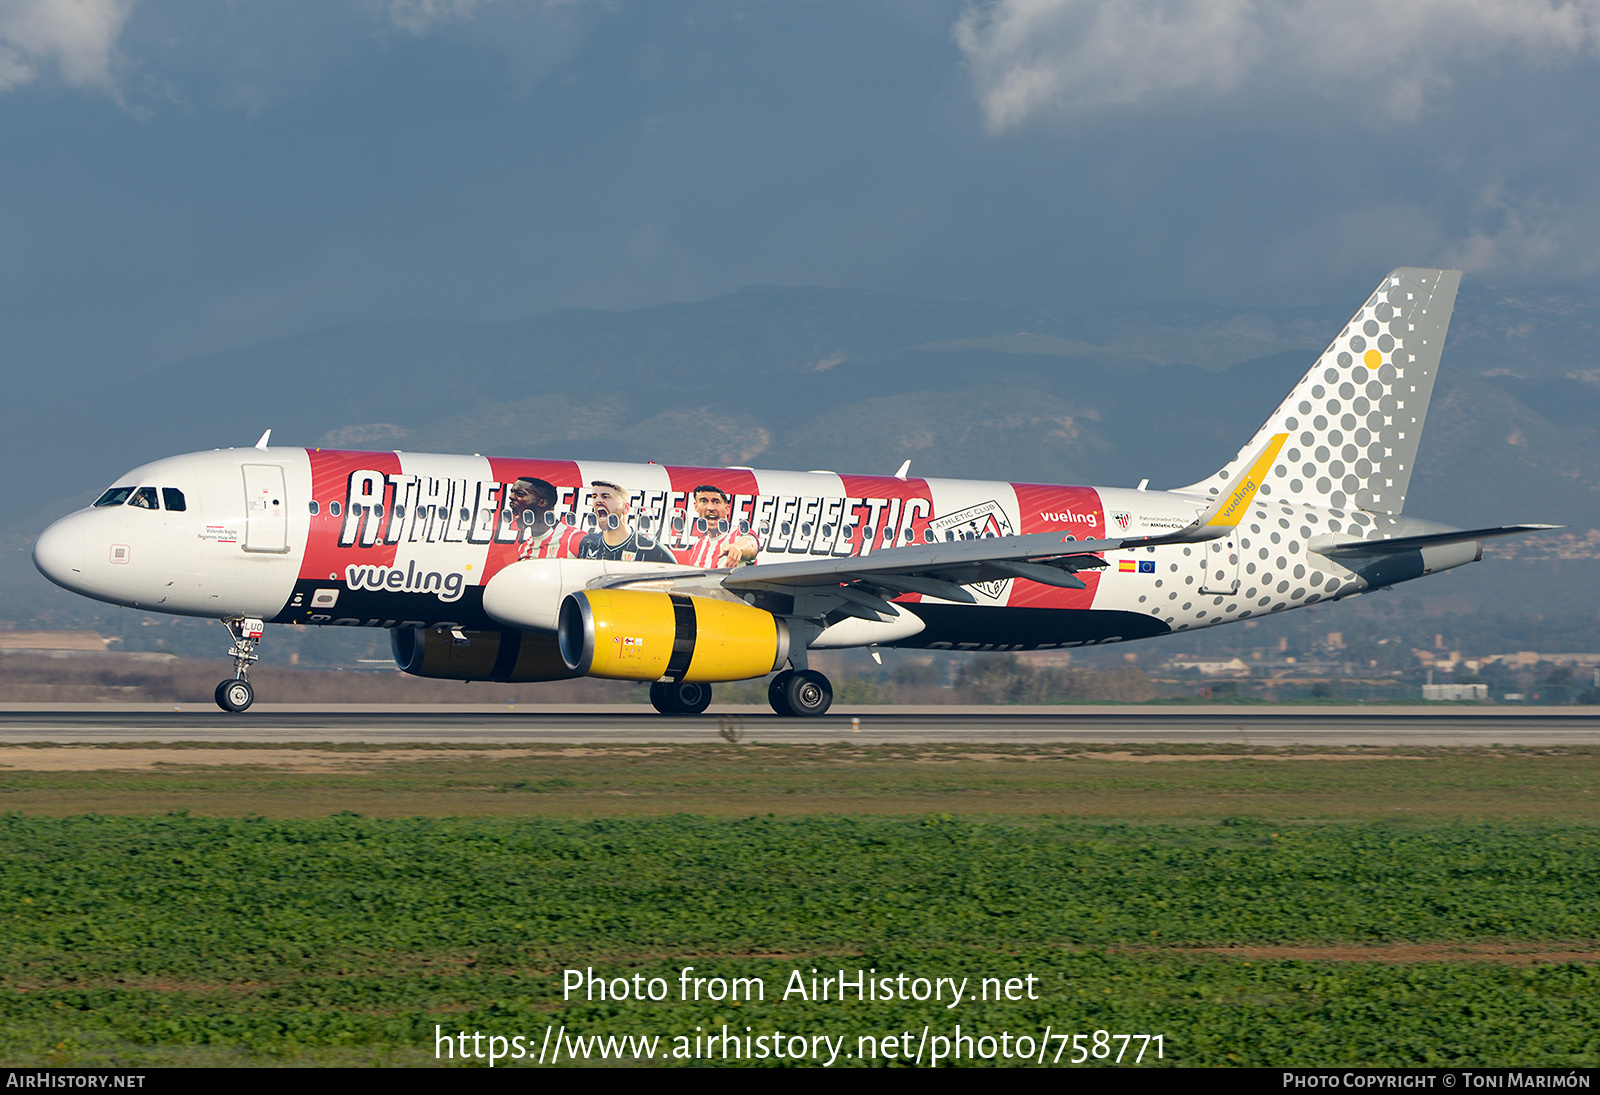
(1039, 572)
(925, 584)
(929, 560)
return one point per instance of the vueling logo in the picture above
(445, 586)
(1241, 496)
(1245, 492)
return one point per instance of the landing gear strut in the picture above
(680, 697)
(237, 694)
(802, 693)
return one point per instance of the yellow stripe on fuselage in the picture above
(1233, 507)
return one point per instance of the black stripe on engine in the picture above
(505, 660)
(684, 630)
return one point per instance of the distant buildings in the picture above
(1456, 692)
(49, 642)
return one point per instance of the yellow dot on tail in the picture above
(1373, 359)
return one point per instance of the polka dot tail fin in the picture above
(1353, 421)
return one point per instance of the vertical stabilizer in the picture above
(1354, 420)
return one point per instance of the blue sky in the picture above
(180, 176)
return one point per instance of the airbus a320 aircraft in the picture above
(538, 570)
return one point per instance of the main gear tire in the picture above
(776, 695)
(691, 697)
(235, 696)
(680, 697)
(808, 694)
(661, 698)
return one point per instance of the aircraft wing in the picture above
(858, 585)
(1397, 544)
(940, 570)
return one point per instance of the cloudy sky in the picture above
(179, 176)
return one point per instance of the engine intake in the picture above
(633, 635)
(512, 656)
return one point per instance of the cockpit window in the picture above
(173, 497)
(115, 496)
(145, 498)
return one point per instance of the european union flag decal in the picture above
(1147, 566)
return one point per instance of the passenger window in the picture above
(115, 496)
(333, 508)
(145, 498)
(172, 497)
(315, 509)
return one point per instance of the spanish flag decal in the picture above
(1127, 566)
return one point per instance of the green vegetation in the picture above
(1155, 780)
(347, 938)
(1269, 907)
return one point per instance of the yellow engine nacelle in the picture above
(632, 635)
(514, 656)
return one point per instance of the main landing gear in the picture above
(794, 693)
(237, 694)
(802, 693)
(680, 697)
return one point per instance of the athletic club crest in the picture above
(1122, 520)
(975, 523)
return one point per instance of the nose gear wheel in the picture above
(237, 694)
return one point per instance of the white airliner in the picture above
(538, 570)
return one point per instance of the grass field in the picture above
(1135, 781)
(211, 905)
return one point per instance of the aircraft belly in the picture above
(970, 627)
(322, 603)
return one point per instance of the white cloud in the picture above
(421, 16)
(1516, 234)
(75, 38)
(1076, 57)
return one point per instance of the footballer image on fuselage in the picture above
(504, 569)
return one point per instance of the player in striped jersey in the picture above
(539, 535)
(720, 544)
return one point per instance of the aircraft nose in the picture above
(59, 553)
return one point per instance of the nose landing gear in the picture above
(237, 694)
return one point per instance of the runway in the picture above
(632, 725)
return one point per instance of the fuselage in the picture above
(414, 541)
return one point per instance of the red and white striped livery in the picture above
(529, 569)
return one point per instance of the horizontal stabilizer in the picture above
(1435, 539)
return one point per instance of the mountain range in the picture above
(845, 380)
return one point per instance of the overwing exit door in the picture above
(266, 515)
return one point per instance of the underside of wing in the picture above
(1397, 544)
(939, 570)
(861, 586)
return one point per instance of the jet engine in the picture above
(634, 635)
(513, 656)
